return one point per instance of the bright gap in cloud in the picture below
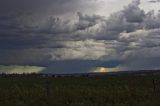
(105, 69)
(20, 69)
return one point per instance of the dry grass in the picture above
(95, 91)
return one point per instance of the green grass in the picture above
(93, 91)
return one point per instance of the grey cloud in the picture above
(129, 19)
(154, 1)
(79, 66)
(34, 6)
(152, 21)
(81, 50)
(86, 26)
(125, 35)
(86, 21)
(142, 50)
(30, 56)
(144, 58)
(133, 13)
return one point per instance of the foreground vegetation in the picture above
(81, 91)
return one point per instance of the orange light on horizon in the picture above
(104, 69)
(101, 69)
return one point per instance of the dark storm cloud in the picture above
(30, 56)
(23, 6)
(154, 1)
(31, 38)
(145, 58)
(80, 66)
(133, 13)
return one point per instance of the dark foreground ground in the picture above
(81, 91)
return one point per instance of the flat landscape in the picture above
(125, 90)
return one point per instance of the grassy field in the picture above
(82, 91)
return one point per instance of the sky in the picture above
(79, 36)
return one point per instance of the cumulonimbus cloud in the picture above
(124, 35)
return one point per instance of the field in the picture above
(81, 91)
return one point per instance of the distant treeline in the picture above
(121, 73)
(5, 75)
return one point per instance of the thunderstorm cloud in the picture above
(76, 35)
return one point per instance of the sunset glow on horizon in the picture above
(105, 70)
